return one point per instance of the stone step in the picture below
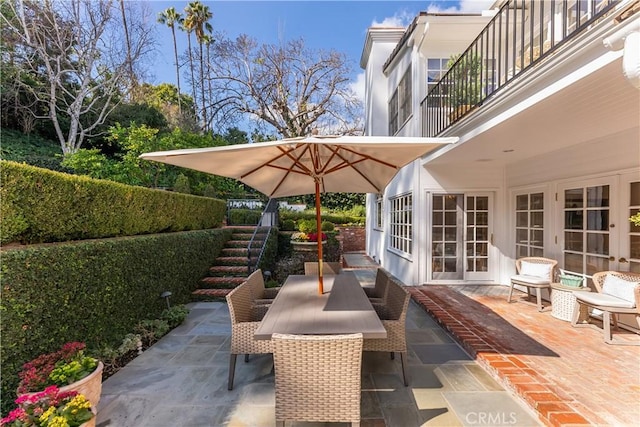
(238, 252)
(231, 260)
(247, 236)
(228, 270)
(223, 282)
(243, 243)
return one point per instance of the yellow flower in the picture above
(46, 414)
(58, 422)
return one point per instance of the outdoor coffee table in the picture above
(343, 308)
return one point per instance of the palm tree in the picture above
(197, 19)
(208, 41)
(170, 18)
(187, 25)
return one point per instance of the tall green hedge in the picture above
(39, 205)
(93, 291)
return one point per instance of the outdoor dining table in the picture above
(343, 308)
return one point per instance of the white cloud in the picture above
(464, 6)
(358, 86)
(399, 19)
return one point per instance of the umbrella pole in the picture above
(319, 234)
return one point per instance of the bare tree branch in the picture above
(289, 87)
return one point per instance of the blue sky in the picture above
(337, 25)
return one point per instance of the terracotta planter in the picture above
(90, 386)
(90, 423)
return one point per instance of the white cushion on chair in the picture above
(535, 269)
(620, 288)
(532, 280)
(595, 298)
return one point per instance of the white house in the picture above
(546, 102)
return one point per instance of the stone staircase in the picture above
(230, 268)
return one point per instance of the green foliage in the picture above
(287, 266)
(92, 291)
(288, 225)
(175, 315)
(243, 216)
(270, 254)
(182, 185)
(335, 201)
(339, 218)
(308, 225)
(31, 149)
(327, 226)
(66, 373)
(466, 87)
(151, 330)
(45, 206)
(635, 219)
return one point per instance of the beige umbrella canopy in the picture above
(308, 165)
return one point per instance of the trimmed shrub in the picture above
(244, 216)
(94, 291)
(288, 225)
(327, 226)
(40, 205)
(182, 184)
(336, 218)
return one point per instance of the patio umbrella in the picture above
(308, 165)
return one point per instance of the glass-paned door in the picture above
(629, 258)
(587, 234)
(529, 224)
(460, 237)
(477, 237)
(447, 236)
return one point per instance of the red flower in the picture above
(313, 237)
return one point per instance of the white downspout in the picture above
(628, 38)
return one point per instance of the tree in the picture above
(170, 18)
(197, 19)
(289, 87)
(73, 45)
(187, 26)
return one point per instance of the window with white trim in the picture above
(529, 225)
(400, 107)
(379, 217)
(401, 223)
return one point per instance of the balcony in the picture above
(520, 35)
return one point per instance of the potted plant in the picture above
(465, 85)
(68, 368)
(51, 408)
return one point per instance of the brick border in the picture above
(514, 373)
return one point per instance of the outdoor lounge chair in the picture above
(393, 316)
(243, 326)
(618, 293)
(311, 268)
(537, 273)
(317, 377)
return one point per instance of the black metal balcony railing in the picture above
(522, 33)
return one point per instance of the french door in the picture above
(461, 236)
(596, 234)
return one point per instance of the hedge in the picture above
(336, 218)
(39, 205)
(94, 291)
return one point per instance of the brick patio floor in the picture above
(569, 376)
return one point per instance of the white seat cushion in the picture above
(530, 280)
(620, 288)
(535, 269)
(595, 298)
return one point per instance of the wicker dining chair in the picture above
(393, 315)
(378, 294)
(243, 326)
(311, 268)
(535, 273)
(317, 377)
(260, 294)
(618, 292)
